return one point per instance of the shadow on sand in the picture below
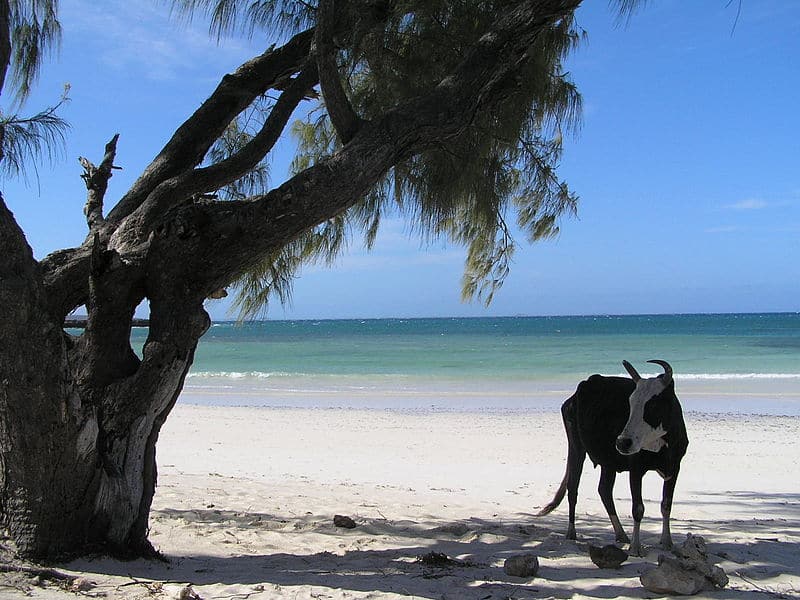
(753, 552)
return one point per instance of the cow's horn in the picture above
(631, 371)
(667, 370)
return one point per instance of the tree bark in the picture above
(80, 416)
(344, 118)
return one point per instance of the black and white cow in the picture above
(633, 425)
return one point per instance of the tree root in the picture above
(43, 573)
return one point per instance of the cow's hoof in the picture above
(665, 544)
(639, 551)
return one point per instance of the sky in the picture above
(687, 164)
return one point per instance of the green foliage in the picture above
(476, 188)
(35, 32)
(225, 17)
(626, 8)
(24, 141)
(467, 187)
(274, 276)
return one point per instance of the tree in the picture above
(450, 112)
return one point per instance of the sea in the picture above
(722, 363)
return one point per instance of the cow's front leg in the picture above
(666, 509)
(606, 491)
(637, 511)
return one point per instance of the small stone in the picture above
(524, 565)
(180, 592)
(81, 584)
(607, 557)
(436, 559)
(187, 593)
(344, 522)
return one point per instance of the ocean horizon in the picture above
(745, 363)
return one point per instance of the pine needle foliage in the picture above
(227, 17)
(26, 141)
(35, 33)
(475, 189)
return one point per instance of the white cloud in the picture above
(138, 36)
(724, 229)
(749, 204)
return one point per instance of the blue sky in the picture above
(687, 164)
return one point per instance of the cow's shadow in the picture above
(772, 547)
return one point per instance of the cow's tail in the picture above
(568, 416)
(562, 490)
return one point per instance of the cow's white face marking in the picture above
(642, 435)
(654, 438)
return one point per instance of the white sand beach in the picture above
(246, 499)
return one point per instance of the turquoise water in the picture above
(491, 362)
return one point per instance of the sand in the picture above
(246, 499)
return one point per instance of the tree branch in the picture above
(232, 168)
(66, 272)
(114, 293)
(96, 179)
(344, 118)
(211, 178)
(190, 142)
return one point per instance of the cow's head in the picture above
(638, 434)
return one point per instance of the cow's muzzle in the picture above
(624, 445)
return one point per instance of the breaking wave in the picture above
(678, 376)
(737, 376)
(723, 376)
(242, 374)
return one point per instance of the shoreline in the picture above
(773, 412)
(778, 397)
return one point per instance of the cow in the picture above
(633, 425)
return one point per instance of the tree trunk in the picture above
(80, 417)
(79, 470)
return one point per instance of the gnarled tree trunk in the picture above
(80, 417)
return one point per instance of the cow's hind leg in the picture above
(576, 454)
(666, 509)
(606, 490)
(638, 510)
(575, 459)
